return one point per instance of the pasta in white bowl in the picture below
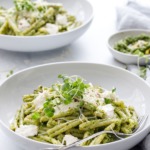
(75, 109)
(40, 25)
(58, 111)
(33, 18)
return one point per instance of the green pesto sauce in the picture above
(136, 45)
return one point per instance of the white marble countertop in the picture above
(91, 47)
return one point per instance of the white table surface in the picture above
(91, 47)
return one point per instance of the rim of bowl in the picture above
(126, 31)
(72, 62)
(90, 18)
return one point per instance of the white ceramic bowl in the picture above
(123, 57)
(83, 11)
(26, 81)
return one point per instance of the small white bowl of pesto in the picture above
(130, 46)
(38, 25)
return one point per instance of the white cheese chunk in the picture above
(27, 130)
(61, 19)
(108, 109)
(92, 95)
(40, 99)
(52, 28)
(64, 108)
(23, 24)
(69, 139)
(138, 44)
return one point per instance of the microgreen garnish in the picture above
(48, 108)
(49, 111)
(73, 87)
(46, 104)
(107, 100)
(35, 116)
(113, 90)
(81, 103)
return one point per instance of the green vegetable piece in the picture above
(139, 53)
(36, 116)
(49, 111)
(107, 100)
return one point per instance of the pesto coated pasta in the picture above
(71, 110)
(135, 45)
(32, 18)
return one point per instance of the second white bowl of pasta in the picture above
(55, 104)
(39, 25)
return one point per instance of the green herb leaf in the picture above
(46, 104)
(49, 108)
(81, 103)
(49, 111)
(67, 101)
(73, 87)
(35, 116)
(107, 100)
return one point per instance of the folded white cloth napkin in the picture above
(135, 15)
